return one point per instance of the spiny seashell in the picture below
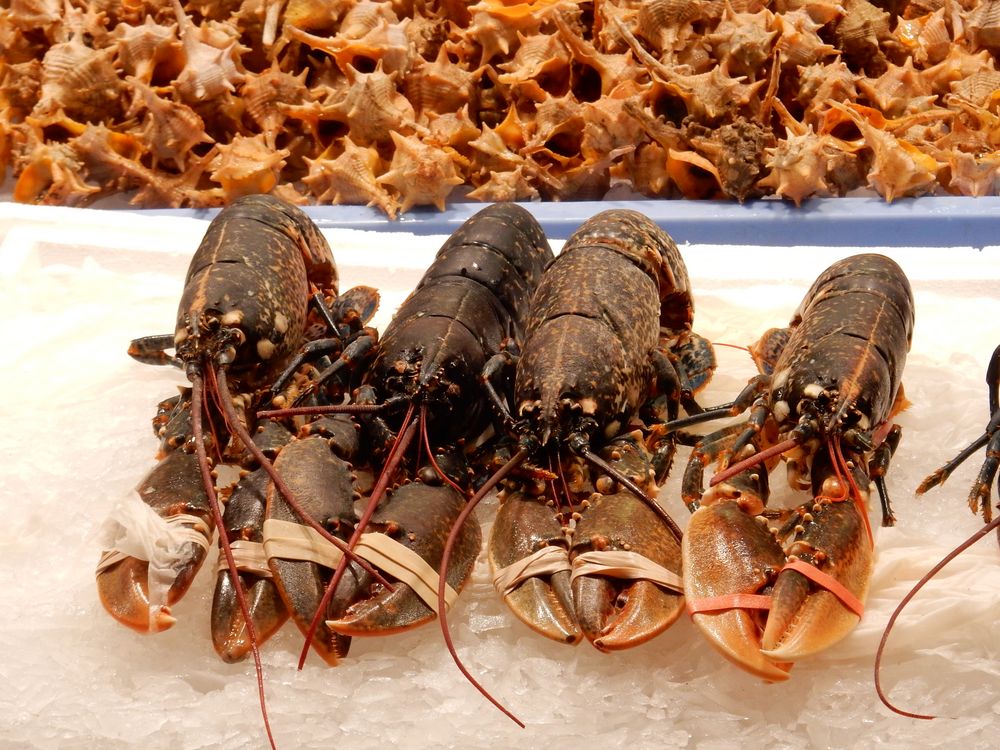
(736, 149)
(420, 174)
(974, 175)
(743, 41)
(710, 96)
(608, 125)
(694, 175)
(555, 116)
(797, 167)
(982, 25)
(649, 170)
(373, 108)
(160, 189)
(81, 81)
(171, 129)
(980, 88)
(149, 50)
(365, 16)
(958, 65)
(860, 31)
(20, 86)
(47, 172)
(386, 44)
(349, 178)
(588, 180)
(313, 15)
(925, 38)
(663, 22)
(513, 185)
(526, 17)
(541, 59)
(899, 168)
(820, 83)
(268, 93)
(452, 129)
(438, 87)
(212, 68)
(32, 15)
(973, 129)
(247, 165)
(820, 11)
(800, 43)
(88, 22)
(611, 69)
(900, 90)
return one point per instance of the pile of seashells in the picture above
(398, 103)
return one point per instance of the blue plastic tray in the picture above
(837, 222)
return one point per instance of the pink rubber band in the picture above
(828, 582)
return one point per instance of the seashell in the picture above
(513, 185)
(736, 149)
(649, 170)
(20, 87)
(958, 65)
(611, 69)
(314, 15)
(900, 90)
(608, 125)
(860, 31)
(663, 23)
(797, 167)
(820, 11)
(438, 87)
(364, 17)
(799, 42)
(982, 25)
(973, 129)
(974, 175)
(694, 175)
(268, 93)
(899, 168)
(212, 67)
(821, 83)
(80, 81)
(150, 50)
(247, 165)
(451, 129)
(744, 41)
(979, 88)
(557, 118)
(589, 179)
(542, 60)
(386, 44)
(711, 96)
(171, 129)
(372, 107)
(926, 38)
(47, 172)
(175, 191)
(419, 173)
(527, 17)
(349, 178)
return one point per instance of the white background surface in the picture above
(76, 286)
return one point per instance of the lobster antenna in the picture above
(286, 492)
(399, 446)
(942, 474)
(906, 599)
(492, 482)
(753, 460)
(206, 479)
(632, 487)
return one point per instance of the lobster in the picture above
(468, 307)
(606, 329)
(829, 388)
(979, 501)
(243, 312)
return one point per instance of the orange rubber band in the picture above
(728, 601)
(828, 582)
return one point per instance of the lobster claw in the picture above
(526, 528)
(808, 616)
(244, 520)
(155, 542)
(414, 522)
(619, 609)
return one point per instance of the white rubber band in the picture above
(543, 561)
(248, 556)
(286, 540)
(151, 536)
(624, 564)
